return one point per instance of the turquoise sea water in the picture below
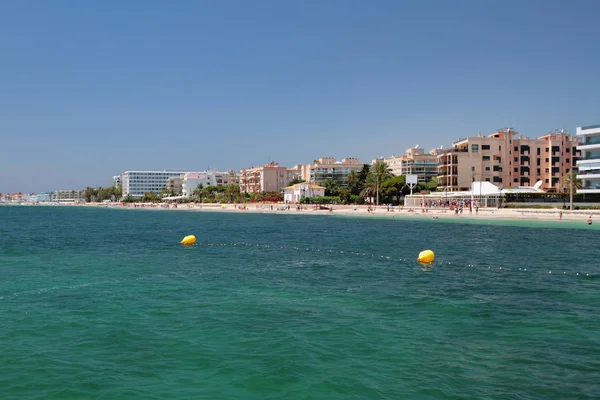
(104, 304)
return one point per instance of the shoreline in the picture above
(490, 214)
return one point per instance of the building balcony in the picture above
(588, 176)
(594, 146)
(593, 130)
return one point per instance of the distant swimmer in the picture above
(435, 218)
(589, 220)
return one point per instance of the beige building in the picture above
(267, 178)
(175, 184)
(329, 168)
(508, 159)
(414, 161)
(69, 195)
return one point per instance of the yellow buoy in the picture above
(190, 239)
(426, 256)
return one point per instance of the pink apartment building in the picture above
(508, 159)
(267, 178)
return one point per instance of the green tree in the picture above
(233, 193)
(572, 183)
(345, 195)
(364, 173)
(197, 193)
(352, 182)
(382, 170)
(150, 197)
(393, 189)
(432, 185)
(331, 187)
(295, 181)
(369, 190)
(90, 194)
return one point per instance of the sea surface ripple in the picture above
(105, 304)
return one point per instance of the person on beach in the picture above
(560, 214)
(589, 220)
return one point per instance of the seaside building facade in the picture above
(175, 185)
(508, 160)
(191, 180)
(414, 161)
(326, 168)
(589, 163)
(295, 193)
(116, 180)
(69, 195)
(137, 183)
(270, 177)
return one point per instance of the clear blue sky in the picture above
(91, 89)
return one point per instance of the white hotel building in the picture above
(589, 163)
(136, 183)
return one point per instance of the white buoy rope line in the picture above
(428, 259)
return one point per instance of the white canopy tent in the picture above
(486, 194)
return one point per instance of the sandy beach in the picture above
(373, 211)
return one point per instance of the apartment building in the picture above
(508, 159)
(136, 183)
(69, 195)
(190, 180)
(270, 177)
(329, 168)
(175, 185)
(116, 180)
(414, 161)
(589, 163)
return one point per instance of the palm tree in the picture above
(572, 183)
(382, 172)
(233, 191)
(198, 191)
(370, 189)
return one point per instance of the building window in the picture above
(538, 151)
(567, 160)
(486, 158)
(474, 148)
(487, 168)
(547, 180)
(485, 147)
(547, 151)
(547, 159)
(516, 169)
(538, 171)
(516, 180)
(499, 148)
(538, 161)
(516, 148)
(568, 150)
(516, 159)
